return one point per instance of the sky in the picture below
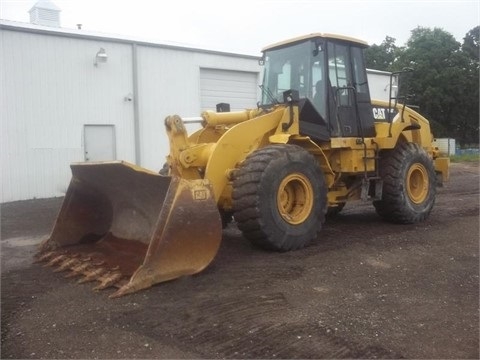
(246, 26)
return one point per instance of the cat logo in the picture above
(379, 113)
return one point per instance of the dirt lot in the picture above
(364, 289)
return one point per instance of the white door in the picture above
(100, 143)
(237, 88)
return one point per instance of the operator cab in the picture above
(329, 73)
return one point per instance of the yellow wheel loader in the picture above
(315, 142)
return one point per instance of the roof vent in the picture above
(46, 13)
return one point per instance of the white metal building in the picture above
(69, 95)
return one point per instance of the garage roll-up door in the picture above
(238, 88)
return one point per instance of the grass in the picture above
(465, 158)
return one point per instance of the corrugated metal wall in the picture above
(169, 83)
(50, 89)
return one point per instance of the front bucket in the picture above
(127, 227)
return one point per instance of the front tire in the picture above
(409, 184)
(279, 197)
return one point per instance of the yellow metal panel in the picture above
(279, 138)
(349, 143)
(352, 161)
(409, 124)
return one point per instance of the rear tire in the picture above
(279, 197)
(409, 185)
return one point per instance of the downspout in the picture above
(136, 110)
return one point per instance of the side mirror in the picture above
(291, 96)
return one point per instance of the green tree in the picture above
(469, 117)
(471, 44)
(442, 75)
(383, 56)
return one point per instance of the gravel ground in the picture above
(364, 289)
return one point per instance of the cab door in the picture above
(349, 99)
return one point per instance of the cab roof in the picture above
(315, 36)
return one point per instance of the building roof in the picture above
(85, 34)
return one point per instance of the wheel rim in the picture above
(417, 183)
(295, 198)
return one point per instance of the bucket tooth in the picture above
(67, 264)
(92, 275)
(108, 279)
(56, 260)
(45, 256)
(94, 259)
(125, 289)
(78, 269)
